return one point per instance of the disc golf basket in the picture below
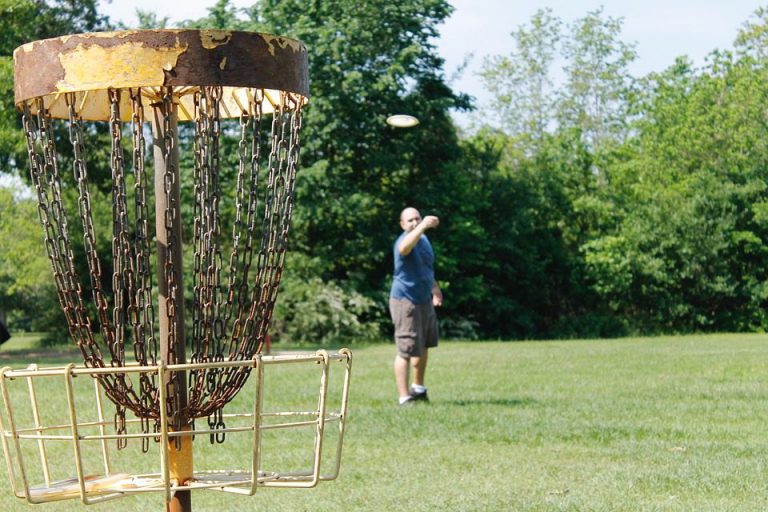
(127, 311)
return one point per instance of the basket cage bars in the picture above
(36, 437)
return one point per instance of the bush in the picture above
(322, 312)
(459, 328)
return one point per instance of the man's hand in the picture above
(437, 295)
(409, 242)
(429, 222)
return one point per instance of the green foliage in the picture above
(598, 80)
(27, 291)
(521, 84)
(592, 99)
(149, 20)
(689, 253)
(22, 21)
(311, 310)
(369, 60)
(529, 273)
(221, 15)
(12, 145)
(314, 311)
(660, 218)
(24, 268)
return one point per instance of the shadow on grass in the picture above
(501, 402)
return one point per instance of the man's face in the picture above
(409, 219)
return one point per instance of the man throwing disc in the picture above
(412, 302)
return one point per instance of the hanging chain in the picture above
(200, 334)
(121, 260)
(214, 273)
(246, 203)
(231, 314)
(251, 317)
(278, 206)
(144, 342)
(208, 323)
(200, 339)
(45, 176)
(207, 231)
(122, 274)
(86, 217)
(170, 220)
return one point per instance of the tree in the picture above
(368, 60)
(21, 288)
(521, 84)
(752, 39)
(22, 21)
(24, 268)
(222, 15)
(689, 251)
(548, 181)
(598, 82)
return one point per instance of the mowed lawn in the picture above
(636, 424)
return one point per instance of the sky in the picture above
(660, 29)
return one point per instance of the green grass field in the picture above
(637, 424)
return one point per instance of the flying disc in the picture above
(402, 121)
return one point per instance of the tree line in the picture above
(584, 201)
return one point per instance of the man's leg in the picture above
(406, 339)
(428, 329)
(418, 391)
(419, 367)
(401, 374)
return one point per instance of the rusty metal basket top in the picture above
(184, 59)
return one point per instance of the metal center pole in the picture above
(171, 298)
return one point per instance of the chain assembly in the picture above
(228, 299)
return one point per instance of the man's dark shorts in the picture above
(415, 326)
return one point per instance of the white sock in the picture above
(405, 398)
(418, 389)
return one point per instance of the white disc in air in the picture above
(402, 121)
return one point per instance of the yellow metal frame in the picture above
(29, 440)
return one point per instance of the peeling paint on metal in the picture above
(130, 64)
(95, 62)
(282, 43)
(210, 39)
